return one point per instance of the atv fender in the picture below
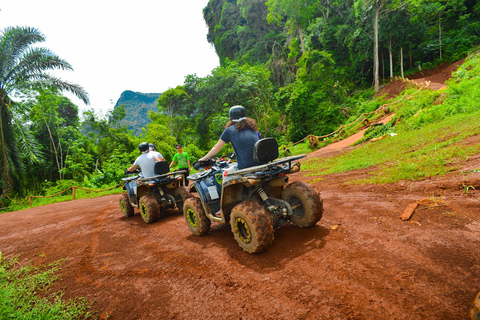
(208, 198)
(130, 186)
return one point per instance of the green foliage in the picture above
(239, 30)
(25, 295)
(311, 99)
(171, 103)
(462, 96)
(377, 132)
(158, 134)
(230, 85)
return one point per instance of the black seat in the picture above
(161, 167)
(265, 150)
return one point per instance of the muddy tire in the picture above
(126, 207)
(475, 308)
(251, 226)
(149, 208)
(197, 221)
(307, 205)
(181, 194)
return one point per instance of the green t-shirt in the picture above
(181, 159)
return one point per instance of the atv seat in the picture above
(161, 167)
(265, 150)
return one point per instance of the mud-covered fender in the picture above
(130, 186)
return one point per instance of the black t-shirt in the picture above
(243, 142)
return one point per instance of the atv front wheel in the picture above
(306, 203)
(149, 208)
(195, 216)
(181, 194)
(251, 226)
(126, 207)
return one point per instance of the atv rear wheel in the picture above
(181, 194)
(195, 216)
(126, 207)
(251, 226)
(149, 209)
(475, 308)
(306, 203)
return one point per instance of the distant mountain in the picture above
(137, 105)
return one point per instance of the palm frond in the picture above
(25, 139)
(14, 41)
(46, 80)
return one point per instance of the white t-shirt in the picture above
(158, 154)
(147, 162)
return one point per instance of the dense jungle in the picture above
(299, 67)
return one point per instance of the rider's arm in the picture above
(215, 149)
(131, 168)
(173, 161)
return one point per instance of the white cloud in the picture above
(145, 46)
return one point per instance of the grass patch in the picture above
(24, 293)
(67, 196)
(432, 150)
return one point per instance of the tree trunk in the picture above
(440, 36)
(411, 59)
(401, 62)
(301, 39)
(390, 56)
(375, 50)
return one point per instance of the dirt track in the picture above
(361, 261)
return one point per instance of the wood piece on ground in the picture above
(407, 214)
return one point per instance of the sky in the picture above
(116, 45)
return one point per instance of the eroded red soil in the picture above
(361, 261)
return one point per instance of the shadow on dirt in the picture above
(289, 243)
(165, 217)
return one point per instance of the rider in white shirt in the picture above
(146, 160)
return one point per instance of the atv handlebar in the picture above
(197, 165)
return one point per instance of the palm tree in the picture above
(24, 66)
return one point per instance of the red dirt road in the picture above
(361, 261)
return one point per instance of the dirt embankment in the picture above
(361, 261)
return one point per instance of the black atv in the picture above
(155, 194)
(254, 201)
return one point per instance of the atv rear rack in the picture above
(267, 166)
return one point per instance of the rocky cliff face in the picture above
(137, 105)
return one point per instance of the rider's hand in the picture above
(196, 165)
(127, 172)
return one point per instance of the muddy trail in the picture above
(361, 261)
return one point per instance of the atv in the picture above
(254, 201)
(155, 194)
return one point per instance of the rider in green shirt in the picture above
(183, 160)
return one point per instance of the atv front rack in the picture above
(159, 177)
(130, 178)
(267, 166)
